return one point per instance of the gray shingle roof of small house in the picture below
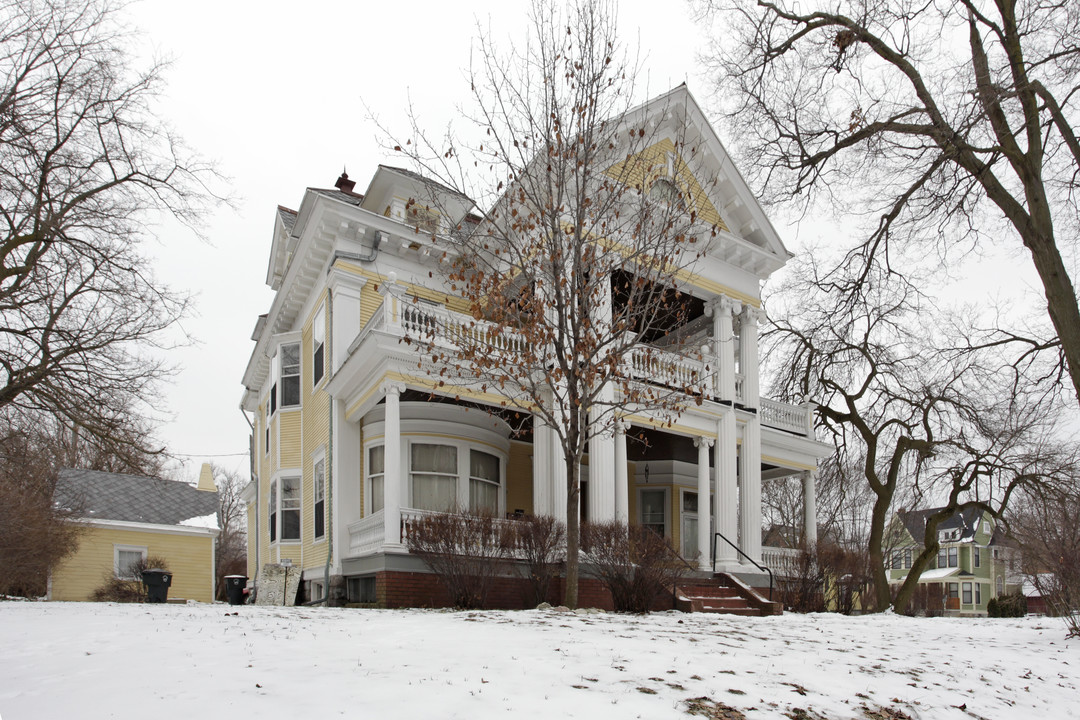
(966, 521)
(97, 495)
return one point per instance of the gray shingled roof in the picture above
(288, 217)
(346, 197)
(112, 496)
(967, 521)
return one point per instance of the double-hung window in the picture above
(978, 593)
(954, 557)
(943, 557)
(128, 561)
(320, 498)
(376, 466)
(483, 482)
(967, 593)
(285, 509)
(318, 332)
(289, 356)
(290, 508)
(434, 476)
(976, 557)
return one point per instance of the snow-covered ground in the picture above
(87, 660)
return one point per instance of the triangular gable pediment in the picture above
(689, 152)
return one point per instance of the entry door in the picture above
(689, 524)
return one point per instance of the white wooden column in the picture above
(809, 482)
(704, 526)
(601, 465)
(394, 486)
(750, 489)
(601, 420)
(558, 478)
(748, 356)
(622, 481)
(541, 467)
(726, 499)
(724, 345)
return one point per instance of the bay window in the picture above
(439, 477)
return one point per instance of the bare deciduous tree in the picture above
(1045, 527)
(230, 549)
(923, 419)
(84, 164)
(944, 125)
(572, 276)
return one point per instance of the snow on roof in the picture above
(203, 521)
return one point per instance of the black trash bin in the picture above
(234, 588)
(157, 584)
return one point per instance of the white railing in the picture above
(366, 534)
(782, 561)
(664, 368)
(783, 416)
(428, 323)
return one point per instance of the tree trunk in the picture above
(1060, 301)
(573, 531)
(882, 594)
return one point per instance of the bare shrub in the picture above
(802, 582)
(540, 540)
(848, 577)
(129, 589)
(633, 562)
(466, 550)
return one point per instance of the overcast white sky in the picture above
(276, 93)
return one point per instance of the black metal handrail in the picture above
(755, 563)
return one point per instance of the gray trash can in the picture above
(234, 588)
(157, 584)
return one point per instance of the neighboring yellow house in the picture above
(129, 518)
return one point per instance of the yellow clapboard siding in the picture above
(189, 557)
(289, 433)
(642, 169)
(252, 561)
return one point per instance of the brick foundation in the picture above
(417, 589)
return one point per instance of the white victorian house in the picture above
(351, 440)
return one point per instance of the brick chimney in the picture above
(344, 184)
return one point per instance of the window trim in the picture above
(117, 549)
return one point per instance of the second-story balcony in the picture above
(424, 323)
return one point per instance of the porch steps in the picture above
(723, 595)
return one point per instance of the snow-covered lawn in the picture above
(87, 660)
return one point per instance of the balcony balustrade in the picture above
(431, 323)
